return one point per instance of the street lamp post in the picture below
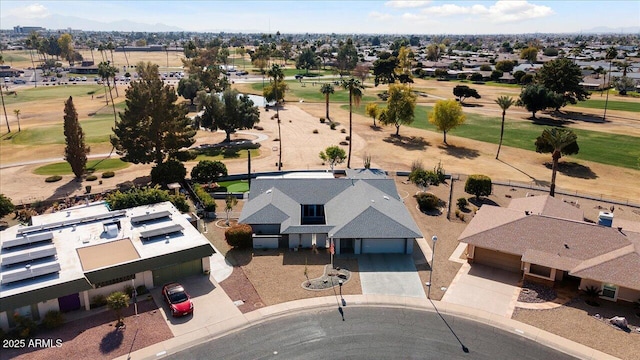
(433, 252)
(340, 282)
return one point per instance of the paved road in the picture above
(370, 333)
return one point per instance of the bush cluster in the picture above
(145, 196)
(91, 178)
(207, 171)
(53, 178)
(332, 126)
(53, 319)
(428, 201)
(478, 185)
(239, 236)
(98, 301)
(207, 202)
(462, 203)
(108, 174)
(168, 172)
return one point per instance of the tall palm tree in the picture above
(355, 87)
(278, 75)
(107, 71)
(557, 141)
(17, 112)
(2, 96)
(327, 89)
(31, 43)
(611, 54)
(505, 103)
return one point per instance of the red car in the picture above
(178, 299)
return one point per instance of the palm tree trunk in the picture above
(606, 101)
(554, 170)
(327, 100)
(350, 129)
(5, 111)
(501, 133)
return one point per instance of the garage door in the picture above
(176, 272)
(497, 259)
(383, 246)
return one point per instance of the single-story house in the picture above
(65, 258)
(360, 213)
(547, 240)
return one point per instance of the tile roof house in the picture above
(361, 213)
(64, 259)
(548, 240)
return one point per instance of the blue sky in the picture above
(333, 16)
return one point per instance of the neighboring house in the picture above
(361, 213)
(66, 258)
(547, 240)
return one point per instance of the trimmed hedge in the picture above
(478, 185)
(208, 203)
(427, 201)
(108, 174)
(53, 178)
(91, 178)
(239, 236)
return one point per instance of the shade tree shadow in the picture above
(548, 121)
(407, 142)
(64, 190)
(579, 116)
(460, 152)
(573, 169)
(111, 341)
(478, 202)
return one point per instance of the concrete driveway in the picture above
(389, 274)
(485, 288)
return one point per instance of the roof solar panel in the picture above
(29, 272)
(149, 217)
(29, 239)
(147, 234)
(28, 255)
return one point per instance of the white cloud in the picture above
(379, 15)
(33, 11)
(501, 11)
(406, 4)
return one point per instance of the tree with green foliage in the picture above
(307, 60)
(276, 89)
(446, 115)
(558, 142)
(563, 77)
(536, 97)
(327, 89)
(230, 201)
(355, 88)
(401, 106)
(463, 91)
(188, 88)
(117, 302)
(333, 155)
(65, 41)
(435, 51)
(530, 54)
(504, 102)
(170, 171)
(229, 113)
(347, 57)
(153, 126)
(496, 75)
(403, 69)
(384, 68)
(478, 185)
(75, 151)
(205, 67)
(207, 171)
(506, 65)
(6, 206)
(372, 110)
(145, 196)
(239, 236)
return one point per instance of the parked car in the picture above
(7, 79)
(299, 76)
(242, 72)
(72, 78)
(19, 81)
(179, 301)
(84, 78)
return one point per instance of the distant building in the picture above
(27, 29)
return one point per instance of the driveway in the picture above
(485, 288)
(389, 274)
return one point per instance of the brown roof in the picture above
(107, 254)
(547, 205)
(550, 260)
(621, 268)
(489, 217)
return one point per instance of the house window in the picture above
(609, 291)
(312, 214)
(540, 270)
(114, 281)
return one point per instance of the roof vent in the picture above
(268, 191)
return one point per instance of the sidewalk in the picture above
(243, 321)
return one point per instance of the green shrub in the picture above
(53, 319)
(184, 155)
(128, 290)
(25, 327)
(239, 236)
(108, 174)
(207, 171)
(322, 120)
(87, 188)
(462, 203)
(91, 178)
(145, 196)
(332, 126)
(344, 131)
(118, 301)
(478, 185)
(315, 131)
(98, 301)
(427, 201)
(141, 290)
(207, 202)
(168, 172)
(53, 178)
(6, 206)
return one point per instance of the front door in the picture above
(69, 302)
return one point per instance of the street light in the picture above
(433, 252)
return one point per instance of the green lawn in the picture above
(52, 92)
(8, 58)
(612, 105)
(97, 130)
(235, 186)
(96, 166)
(594, 146)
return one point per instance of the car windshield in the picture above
(177, 297)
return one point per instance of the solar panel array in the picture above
(150, 216)
(29, 272)
(166, 230)
(28, 255)
(70, 222)
(27, 240)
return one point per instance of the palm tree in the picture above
(556, 141)
(17, 112)
(2, 96)
(107, 71)
(278, 75)
(505, 103)
(355, 87)
(327, 89)
(611, 54)
(31, 43)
